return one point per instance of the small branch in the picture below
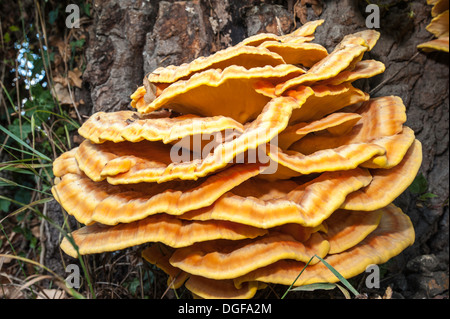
(375, 89)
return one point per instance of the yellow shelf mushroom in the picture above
(283, 160)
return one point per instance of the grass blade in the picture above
(317, 286)
(24, 206)
(290, 287)
(18, 140)
(339, 276)
(71, 291)
(327, 286)
(344, 291)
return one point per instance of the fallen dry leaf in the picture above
(60, 79)
(51, 294)
(4, 260)
(62, 94)
(36, 231)
(388, 293)
(10, 292)
(64, 50)
(75, 77)
(301, 9)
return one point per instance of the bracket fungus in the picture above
(438, 27)
(284, 160)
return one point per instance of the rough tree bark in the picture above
(128, 39)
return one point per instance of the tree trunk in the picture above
(128, 39)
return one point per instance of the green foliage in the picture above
(6, 38)
(27, 234)
(420, 187)
(14, 28)
(323, 286)
(34, 126)
(138, 286)
(327, 286)
(77, 44)
(4, 205)
(53, 15)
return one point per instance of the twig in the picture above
(2, 100)
(295, 15)
(41, 233)
(375, 89)
(19, 105)
(43, 35)
(280, 31)
(170, 285)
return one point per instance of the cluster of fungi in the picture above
(438, 27)
(283, 159)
